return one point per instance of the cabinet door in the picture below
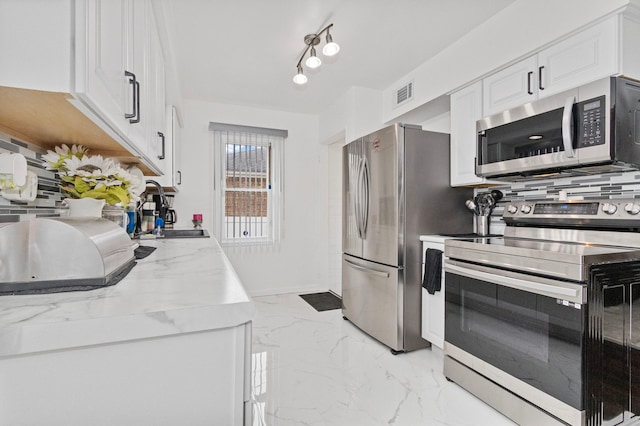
(513, 86)
(466, 108)
(103, 55)
(170, 178)
(139, 65)
(585, 57)
(156, 100)
(433, 305)
(176, 148)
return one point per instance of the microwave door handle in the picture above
(567, 127)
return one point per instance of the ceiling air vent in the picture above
(404, 94)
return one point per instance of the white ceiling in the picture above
(245, 51)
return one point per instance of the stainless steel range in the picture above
(544, 323)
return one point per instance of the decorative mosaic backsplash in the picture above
(596, 187)
(49, 195)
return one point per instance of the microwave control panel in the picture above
(591, 122)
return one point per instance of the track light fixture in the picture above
(312, 40)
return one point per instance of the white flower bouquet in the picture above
(85, 176)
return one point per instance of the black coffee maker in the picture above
(167, 212)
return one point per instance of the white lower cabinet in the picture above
(193, 378)
(433, 314)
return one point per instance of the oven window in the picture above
(493, 320)
(534, 338)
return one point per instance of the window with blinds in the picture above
(248, 183)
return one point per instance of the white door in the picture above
(102, 59)
(585, 57)
(156, 99)
(466, 108)
(433, 305)
(513, 86)
(139, 65)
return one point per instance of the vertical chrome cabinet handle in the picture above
(540, 86)
(137, 119)
(567, 126)
(180, 177)
(161, 135)
(132, 82)
(529, 75)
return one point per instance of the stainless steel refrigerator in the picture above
(395, 188)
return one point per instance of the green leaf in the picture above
(118, 194)
(80, 185)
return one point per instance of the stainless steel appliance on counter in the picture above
(590, 129)
(395, 188)
(543, 323)
(50, 255)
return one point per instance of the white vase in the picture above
(84, 207)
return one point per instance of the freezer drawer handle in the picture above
(370, 271)
(529, 286)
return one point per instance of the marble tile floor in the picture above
(314, 368)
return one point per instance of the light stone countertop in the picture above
(186, 285)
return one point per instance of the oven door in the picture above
(531, 328)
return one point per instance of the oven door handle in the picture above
(525, 285)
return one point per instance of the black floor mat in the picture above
(143, 251)
(324, 301)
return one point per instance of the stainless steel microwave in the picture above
(591, 129)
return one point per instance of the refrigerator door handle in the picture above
(365, 190)
(367, 270)
(358, 196)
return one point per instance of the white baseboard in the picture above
(286, 290)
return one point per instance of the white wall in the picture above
(508, 36)
(356, 113)
(300, 263)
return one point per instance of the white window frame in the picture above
(229, 231)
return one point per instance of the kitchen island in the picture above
(169, 344)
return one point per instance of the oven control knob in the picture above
(512, 209)
(632, 208)
(526, 209)
(609, 208)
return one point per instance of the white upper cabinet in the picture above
(585, 57)
(123, 76)
(466, 108)
(604, 49)
(580, 59)
(157, 129)
(509, 87)
(172, 175)
(104, 57)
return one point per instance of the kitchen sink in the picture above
(185, 233)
